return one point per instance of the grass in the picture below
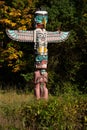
(13, 98)
(10, 104)
(71, 105)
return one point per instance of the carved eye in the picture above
(40, 35)
(38, 18)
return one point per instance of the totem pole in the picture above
(40, 37)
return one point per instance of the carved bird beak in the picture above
(44, 22)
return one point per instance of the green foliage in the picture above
(67, 60)
(28, 77)
(24, 112)
(54, 85)
(65, 112)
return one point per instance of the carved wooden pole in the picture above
(41, 38)
(41, 58)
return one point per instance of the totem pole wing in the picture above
(20, 35)
(57, 36)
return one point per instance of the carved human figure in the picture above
(41, 78)
(40, 41)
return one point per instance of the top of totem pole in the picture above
(41, 12)
(41, 18)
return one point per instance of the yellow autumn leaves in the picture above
(16, 18)
(8, 22)
(16, 15)
(13, 57)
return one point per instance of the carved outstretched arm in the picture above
(29, 36)
(20, 35)
(57, 36)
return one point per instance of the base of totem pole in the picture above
(41, 92)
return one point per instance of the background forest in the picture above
(67, 60)
(66, 108)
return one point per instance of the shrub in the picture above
(67, 111)
(56, 114)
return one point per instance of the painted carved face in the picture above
(41, 37)
(42, 64)
(41, 17)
